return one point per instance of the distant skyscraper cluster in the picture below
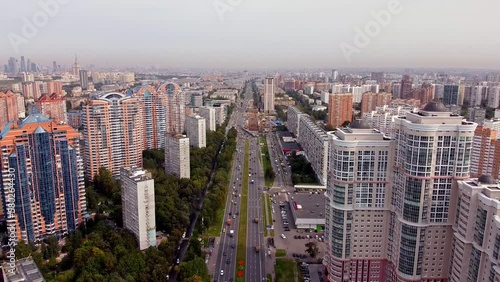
(17, 66)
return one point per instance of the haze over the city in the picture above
(256, 33)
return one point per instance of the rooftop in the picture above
(309, 205)
(26, 271)
(137, 174)
(435, 106)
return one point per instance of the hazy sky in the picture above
(255, 33)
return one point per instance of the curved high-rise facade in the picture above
(176, 113)
(112, 133)
(154, 116)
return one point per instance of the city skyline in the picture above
(254, 34)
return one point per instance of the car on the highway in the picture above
(221, 272)
(228, 261)
(224, 253)
(283, 236)
(233, 246)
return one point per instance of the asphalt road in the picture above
(226, 257)
(255, 264)
(282, 180)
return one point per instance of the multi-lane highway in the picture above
(255, 262)
(226, 257)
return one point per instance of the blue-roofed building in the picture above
(41, 173)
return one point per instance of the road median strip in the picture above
(241, 251)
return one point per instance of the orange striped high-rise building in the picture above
(485, 153)
(54, 87)
(52, 106)
(176, 113)
(113, 133)
(41, 178)
(154, 116)
(370, 101)
(339, 109)
(8, 108)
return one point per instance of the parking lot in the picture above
(293, 241)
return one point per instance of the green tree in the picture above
(52, 247)
(131, 264)
(312, 249)
(104, 182)
(23, 250)
(194, 267)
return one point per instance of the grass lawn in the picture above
(286, 270)
(215, 229)
(269, 208)
(241, 251)
(280, 253)
(268, 181)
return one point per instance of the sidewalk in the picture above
(212, 259)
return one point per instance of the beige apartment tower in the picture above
(358, 203)
(408, 208)
(269, 95)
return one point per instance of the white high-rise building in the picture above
(358, 203)
(494, 97)
(433, 151)
(208, 113)
(314, 141)
(177, 160)
(138, 202)
(293, 118)
(196, 131)
(391, 208)
(269, 95)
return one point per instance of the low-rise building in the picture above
(25, 270)
(308, 210)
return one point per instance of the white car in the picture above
(283, 236)
(221, 272)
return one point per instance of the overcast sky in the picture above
(256, 33)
